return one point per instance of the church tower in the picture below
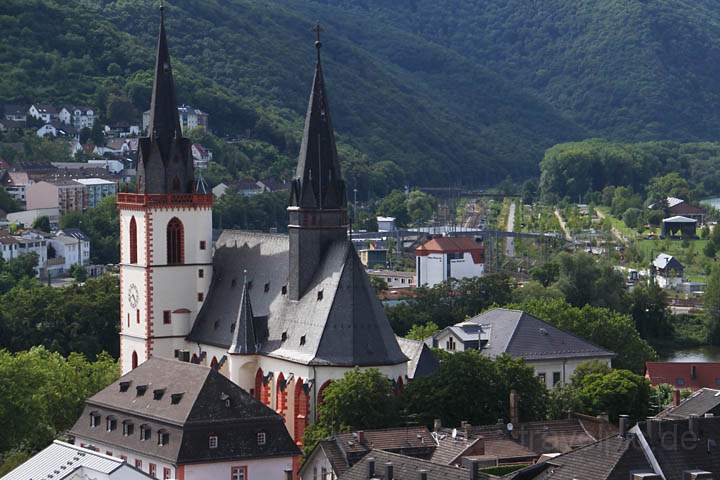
(318, 204)
(165, 232)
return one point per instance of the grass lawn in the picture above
(691, 256)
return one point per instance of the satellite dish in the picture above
(454, 433)
(510, 427)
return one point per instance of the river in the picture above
(712, 202)
(706, 353)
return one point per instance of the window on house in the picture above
(111, 424)
(302, 340)
(137, 316)
(123, 458)
(108, 453)
(128, 428)
(163, 437)
(320, 295)
(284, 289)
(267, 287)
(201, 296)
(167, 473)
(124, 386)
(158, 393)
(138, 464)
(542, 378)
(238, 473)
(152, 470)
(145, 432)
(133, 240)
(212, 441)
(680, 382)
(261, 438)
(556, 378)
(450, 345)
(166, 317)
(175, 398)
(175, 242)
(202, 245)
(128, 319)
(94, 419)
(201, 273)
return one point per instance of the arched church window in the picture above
(175, 242)
(133, 240)
(134, 361)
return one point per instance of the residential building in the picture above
(189, 117)
(46, 113)
(25, 218)
(274, 185)
(15, 184)
(77, 117)
(16, 113)
(667, 271)
(60, 461)
(692, 375)
(236, 303)
(553, 353)
(97, 189)
(27, 241)
(443, 258)
(67, 195)
(201, 156)
(702, 402)
(679, 207)
(69, 247)
(220, 189)
(384, 465)
(394, 279)
(179, 420)
(386, 224)
(374, 257)
(247, 188)
(651, 450)
(422, 361)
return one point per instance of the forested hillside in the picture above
(408, 112)
(623, 69)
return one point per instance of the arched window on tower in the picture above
(175, 242)
(133, 240)
(134, 360)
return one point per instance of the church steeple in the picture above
(318, 182)
(164, 158)
(244, 339)
(318, 206)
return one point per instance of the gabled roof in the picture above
(340, 299)
(422, 361)
(450, 245)
(62, 460)
(664, 260)
(699, 403)
(244, 338)
(679, 219)
(404, 468)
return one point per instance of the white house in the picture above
(394, 279)
(553, 353)
(442, 258)
(28, 241)
(62, 460)
(46, 113)
(386, 224)
(190, 118)
(667, 271)
(70, 247)
(47, 130)
(97, 189)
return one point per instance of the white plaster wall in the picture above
(127, 346)
(565, 367)
(131, 456)
(443, 338)
(260, 469)
(197, 225)
(312, 470)
(465, 267)
(125, 217)
(432, 269)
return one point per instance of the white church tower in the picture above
(165, 233)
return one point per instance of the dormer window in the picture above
(212, 441)
(111, 424)
(124, 386)
(302, 340)
(140, 390)
(94, 419)
(284, 289)
(320, 295)
(145, 432)
(284, 336)
(175, 398)
(158, 393)
(261, 438)
(128, 428)
(267, 287)
(163, 437)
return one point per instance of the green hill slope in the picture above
(626, 69)
(438, 116)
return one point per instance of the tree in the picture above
(78, 272)
(42, 223)
(670, 185)
(712, 305)
(529, 191)
(379, 284)
(603, 327)
(394, 205)
(547, 273)
(648, 308)
(42, 393)
(420, 207)
(120, 109)
(361, 399)
(485, 385)
(584, 281)
(615, 393)
(22, 266)
(421, 332)
(102, 226)
(633, 217)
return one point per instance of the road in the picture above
(615, 232)
(563, 225)
(510, 226)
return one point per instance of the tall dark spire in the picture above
(318, 206)
(318, 182)
(244, 339)
(164, 159)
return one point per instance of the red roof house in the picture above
(692, 375)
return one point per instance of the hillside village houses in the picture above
(190, 118)
(442, 258)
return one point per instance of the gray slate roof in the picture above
(404, 468)
(703, 401)
(519, 334)
(339, 321)
(62, 460)
(422, 361)
(210, 402)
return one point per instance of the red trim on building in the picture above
(453, 245)
(692, 375)
(302, 411)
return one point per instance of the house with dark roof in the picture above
(553, 353)
(282, 316)
(705, 401)
(667, 270)
(384, 465)
(651, 450)
(181, 420)
(442, 258)
(421, 362)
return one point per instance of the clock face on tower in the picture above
(133, 295)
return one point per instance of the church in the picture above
(282, 316)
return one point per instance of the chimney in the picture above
(676, 397)
(389, 471)
(371, 467)
(693, 423)
(624, 425)
(361, 437)
(288, 474)
(473, 467)
(697, 475)
(437, 425)
(422, 475)
(514, 408)
(652, 428)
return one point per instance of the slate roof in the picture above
(422, 361)
(404, 468)
(189, 401)
(339, 321)
(703, 401)
(679, 219)
(664, 260)
(519, 334)
(449, 450)
(62, 460)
